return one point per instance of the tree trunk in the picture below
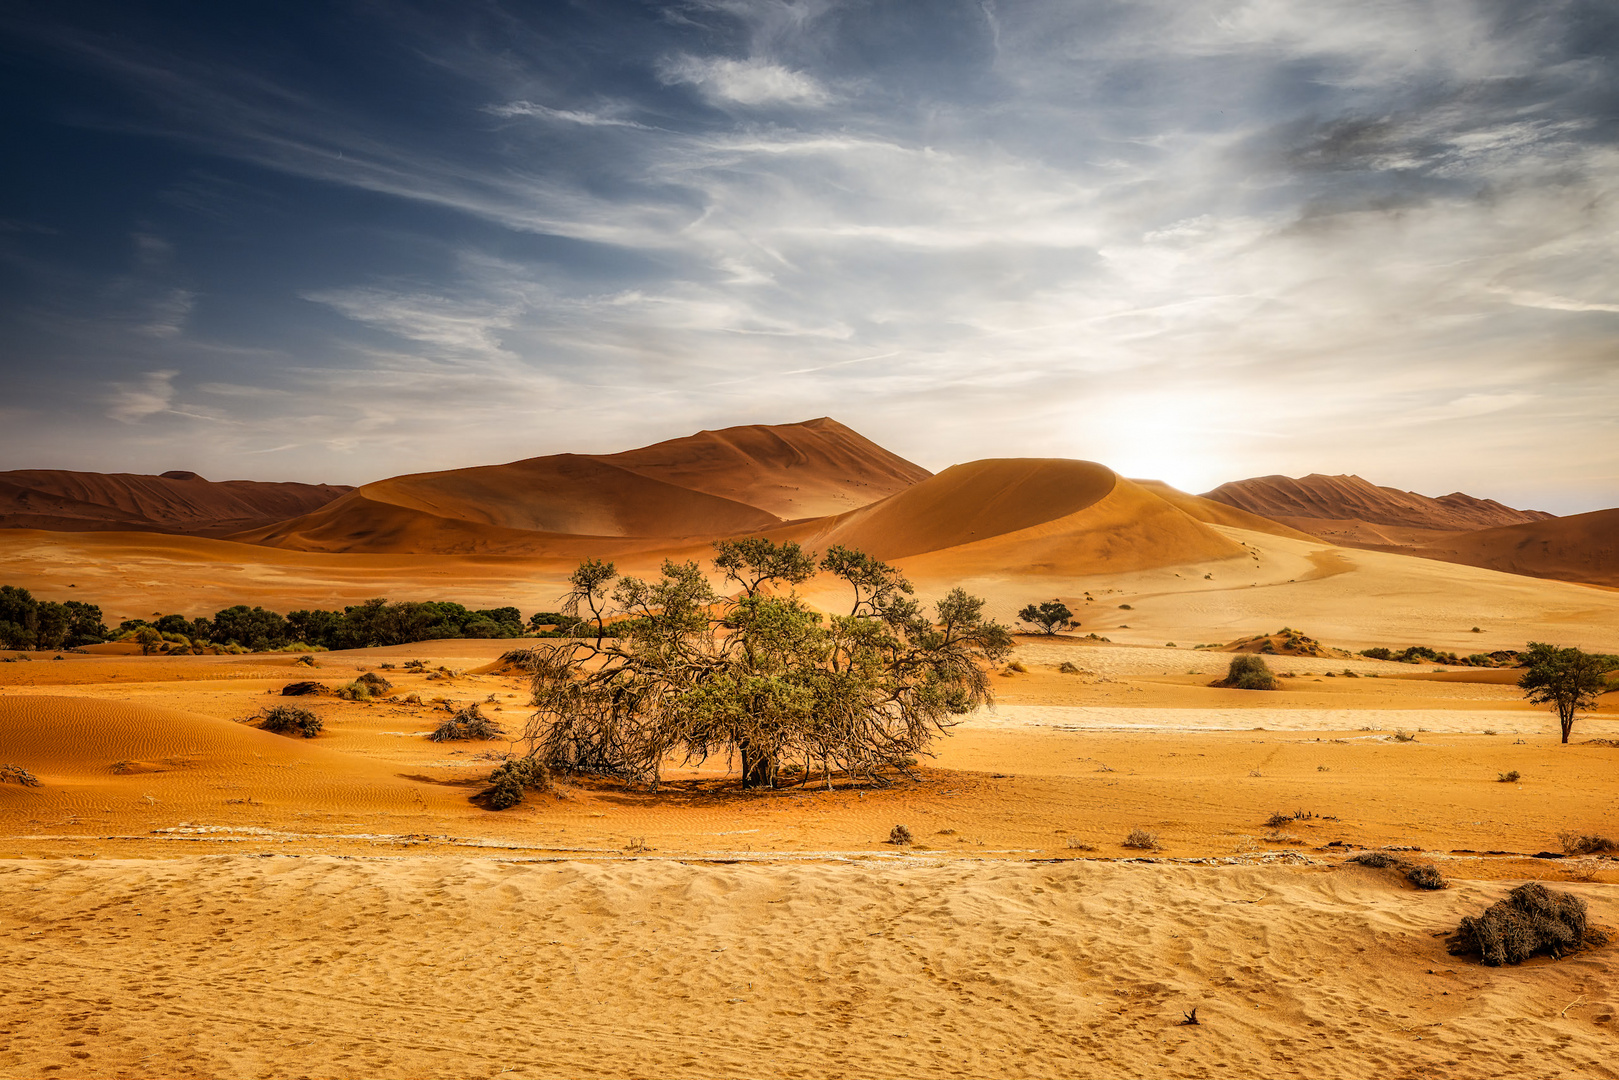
(1568, 723)
(758, 771)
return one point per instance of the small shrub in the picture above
(510, 783)
(1404, 736)
(355, 691)
(1249, 672)
(1576, 844)
(469, 723)
(1076, 844)
(1531, 920)
(415, 665)
(1017, 666)
(1068, 667)
(1378, 860)
(291, 720)
(302, 689)
(1142, 840)
(1126, 607)
(1509, 777)
(900, 836)
(16, 774)
(1425, 876)
(1278, 819)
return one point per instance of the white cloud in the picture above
(745, 82)
(132, 404)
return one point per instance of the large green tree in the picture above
(1568, 680)
(756, 675)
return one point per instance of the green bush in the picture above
(1248, 672)
(510, 783)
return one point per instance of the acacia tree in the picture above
(1051, 616)
(759, 674)
(1566, 679)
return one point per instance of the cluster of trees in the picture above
(26, 623)
(759, 675)
(1417, 654)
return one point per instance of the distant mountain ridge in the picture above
(178, 502)
(1351, 498)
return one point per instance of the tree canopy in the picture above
(1051, 616)
(759, 674)
(1568, 680)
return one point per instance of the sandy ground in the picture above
(187, 895)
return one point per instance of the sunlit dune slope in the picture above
(1028, 515)
(1210, 512)
(811, 469)
(1337, 498)
(715, 483)
(177, 502)
(87, 748)
(1583, 547)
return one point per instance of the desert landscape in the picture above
(809, 538)
(196, 881)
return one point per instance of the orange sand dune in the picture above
(1210, 512)
(1350, 497)
(89, 750)
(711, 484)
(1583, 547)
(811, 469)
(177, 502)
(1028, 515)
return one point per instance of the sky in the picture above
(1195, 241)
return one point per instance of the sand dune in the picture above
(1024, 515)
(176, 502)
(1336, 498)
(1582, 547)
(715, 483)
(1218, 513)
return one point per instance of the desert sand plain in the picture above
(187, 895)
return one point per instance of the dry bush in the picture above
(354, 691)
(1068, 667)
(1404, 736)
(416, 665)
(469, 723)
(1531, 920)
(1577, 844)
(1509, 777)
(16, 774)
(290, 720)
(900, 836)
(510, 783)
(302, 689)
(1425, 876)
(1380, 860)
(1076, 844)
(1017, 666)
(1278, 820)
(1142, 840)
(1277, 836)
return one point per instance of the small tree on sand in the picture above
(1051, 616)
(1566, 679)
(758, 674)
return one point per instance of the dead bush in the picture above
(290, 720)
(1379, 860)
(901, 836)
(1509, 777)
(1578, 844)
(1531, 920)
(469, 723)
(509, 784)
(1404, 736)
(1142, 840)
(302, 689)
(1425, 876)
(16, 774)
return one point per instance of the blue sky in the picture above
(1194, 241)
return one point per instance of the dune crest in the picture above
(176, 502)
(1350, 498)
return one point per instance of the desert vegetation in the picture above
(27, 623)
(290, 720)
(1048, 617)
(1421, 875)
(1568, 680)
(1531, 920)
(1249, 672)
(1422, 654)
(468, 723)
(758, 676)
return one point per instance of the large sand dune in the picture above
(177, 502)
(1582, 547)
(714, 483)
(1336, 498)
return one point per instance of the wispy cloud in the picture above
(132, 403)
